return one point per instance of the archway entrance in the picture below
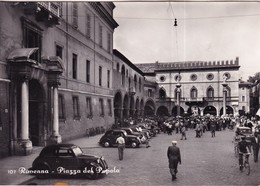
(194, 111)
(149, 108)
(210, 110)
(162, 111)
(117, 107)
(36, 112)
(174, 111)
(228, 111)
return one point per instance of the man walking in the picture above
(174, 157)
(121, 145)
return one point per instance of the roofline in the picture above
(127, 61)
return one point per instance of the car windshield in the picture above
(77, 151)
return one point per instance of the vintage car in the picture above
(67, 159)
(130, 131)
(109, 138)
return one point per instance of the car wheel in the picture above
(134, 144)
(106, 144)
(93, 173)
(43, 168)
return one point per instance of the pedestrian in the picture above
(255, 146)
(121, 146)
(213, 127)
(174, 157)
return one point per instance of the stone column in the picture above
(56, 137)
(25, 142)
(178, 98)
(224, 98)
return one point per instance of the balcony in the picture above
(48, 12)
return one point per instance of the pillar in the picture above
(224, 98)
(24, 141)
(56, 137)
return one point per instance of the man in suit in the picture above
(174, 157)
(255, 146)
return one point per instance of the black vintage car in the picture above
(109, 138)
(67, 159)
(140, 135)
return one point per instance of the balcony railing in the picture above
(52, 7)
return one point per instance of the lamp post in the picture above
(224, 84)
(178, 86)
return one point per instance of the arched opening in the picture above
(193, 93)
(149, 108)
(137, 108)
(162, 111)
(132, 103)
(123, 75)
(175, 111)
(229, 110)
(141, 107)
(36, 112)
(210, 93)
(125, 107)
(117, 106)
(162, 93)
(135, 81)
(210, 110)
(193, 111)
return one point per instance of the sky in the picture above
(206, 31)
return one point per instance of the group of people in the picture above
(201, 124)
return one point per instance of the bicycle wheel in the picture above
(247, 168)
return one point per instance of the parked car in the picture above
(130, 131)
(109, 138)
(67, 159)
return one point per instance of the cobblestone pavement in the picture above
(205, 161)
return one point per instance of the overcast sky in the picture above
(206, 31)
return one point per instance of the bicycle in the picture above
(246, 165)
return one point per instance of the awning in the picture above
(21, 54)
(258, 112)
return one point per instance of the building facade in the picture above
(56, 62)
(202, 87)
(244, 97)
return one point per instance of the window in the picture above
(135, 80)
(162, 93)
(193, 77)
(61, 107)
(59, 51)
(140, 84)
(100, 76)
(32, 37)
(109, 103)
(162, 78)
(88, 25)
(108, 78)
(100, 36)
(150, 91)
(76, 107)
(210, 92)
(109, 42)
(74, 66)
(89, 107)
(75, 15)
(117, 67)
(123, 75)
(210, 76)
(177, 77)
(193, 93)
(88, 71)
(243, 98)
(101, 104)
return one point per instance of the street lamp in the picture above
(224, 84)
(178, 86)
